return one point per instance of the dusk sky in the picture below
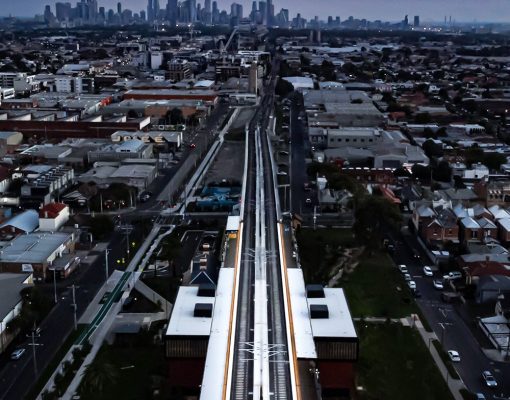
(390, 10)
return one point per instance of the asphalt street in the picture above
(17, 377)
(448, 325)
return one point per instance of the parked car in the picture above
(489, 379)
(308, 200)
(402, 268)
(453, 275)
(145, 196)
(427, 271)
(416, 293)
(480, 396)
(412, 285)
(438, 284)
(16, 354)
(454, 355)
(407, 277)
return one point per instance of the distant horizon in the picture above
(461, 11)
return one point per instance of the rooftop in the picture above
(34, 248)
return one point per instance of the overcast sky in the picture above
(390, 10)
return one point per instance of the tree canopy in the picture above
(375, 215)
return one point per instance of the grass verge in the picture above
(395, 364)
(377, 289)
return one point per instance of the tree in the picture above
(175, 116)
(375, 215)
(443, 172)
(473, 155)
(494, 160)
(96, 376)
(283, 88)
(101, 226)
(421, 172)
(432, 149)
(423, 118)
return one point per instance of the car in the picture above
(427, 271)
(438, 284)
(192, 145)
(283, 153)
(402, 268)
(480, 396)
(452, 275)
(412, 285)
(308, 200)
(16, 354)
(416, 293)
(454, 355)
(489, 379)
(282, 173)
(407, 277)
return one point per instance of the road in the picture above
(299, 148)
(17, 377)
(448, 325)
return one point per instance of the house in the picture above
(11, 286)
(490, 287)
(38, 253)
(443, 228)
(504, 230)
(469, 230)
(53, 216)
(489, 230)
(23, 223)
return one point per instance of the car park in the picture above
(489, 379)
(438, 284)
(427, 271)
(16, 354)
(402, 268)
(454, 355)
(412, 285)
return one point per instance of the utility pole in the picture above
(55, 284)
(33, 344)
(74, 305)
(106, 263)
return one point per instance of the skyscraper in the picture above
(171, 12)
(215, 12)
(119, 8)
(155, 8)
(263, 12)
(192, 10)
(150, 11)
(416, 21)
(270, 12)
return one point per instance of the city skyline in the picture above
(460, 10)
